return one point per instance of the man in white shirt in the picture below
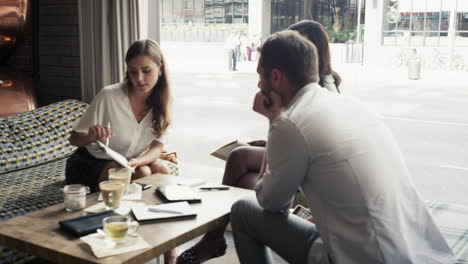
(344, 160)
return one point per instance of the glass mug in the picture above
(123, 175)
(111, 193)
(118, 227)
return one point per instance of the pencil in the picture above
(107, 139)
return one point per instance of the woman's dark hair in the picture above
(160, 97)
(315, 32)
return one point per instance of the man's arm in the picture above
(287, 160)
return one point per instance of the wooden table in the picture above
(38, 233)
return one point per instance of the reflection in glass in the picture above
(204, 11)
(444, 22)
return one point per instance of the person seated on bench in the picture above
(138, 110)
(243, 164)
(345, 161)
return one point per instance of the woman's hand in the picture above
(99, 132)
(133, 162)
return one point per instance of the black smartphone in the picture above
(302, 212)
(144, 186)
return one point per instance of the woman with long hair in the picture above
(133, 116)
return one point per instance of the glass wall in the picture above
(204, 11)
(285, 13)
(339, 17)
(425, 22)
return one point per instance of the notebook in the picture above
(83, 225)
(163, 212)
(115, 156)
(224, 151)
(177, 193)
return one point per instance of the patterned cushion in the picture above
(20, 195)
(38, 136)
(31, 189)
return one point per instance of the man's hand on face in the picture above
(270, 106)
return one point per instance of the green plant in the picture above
(341, 36)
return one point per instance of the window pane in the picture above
(461, 39)
(404, 21)
(402, 38)
(417, 38)
(443, 41)
(198, 12)
(432, 21)
(432, 39)
(417, 21)
(167, 15)
(444, 24)
(389, 38)
(462, 21)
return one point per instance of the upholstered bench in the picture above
(34, 148)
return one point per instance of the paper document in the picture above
(115, 155)
(162, 212)
(224, 151)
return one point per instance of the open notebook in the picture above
(163, 212)
(115, 155)
(224, 151)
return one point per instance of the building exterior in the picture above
(204, 11)
(437, 30)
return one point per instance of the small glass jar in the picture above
(74, 197)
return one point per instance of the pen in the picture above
(107, 139)
(220, 188)
(156, 210)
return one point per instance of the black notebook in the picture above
(83, 225)
(176, 193)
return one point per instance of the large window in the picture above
(339, 17)
(204, 11)
(424, 22)
(285, 13)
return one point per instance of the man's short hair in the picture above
(292, 54)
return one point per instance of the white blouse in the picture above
(112, 105)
